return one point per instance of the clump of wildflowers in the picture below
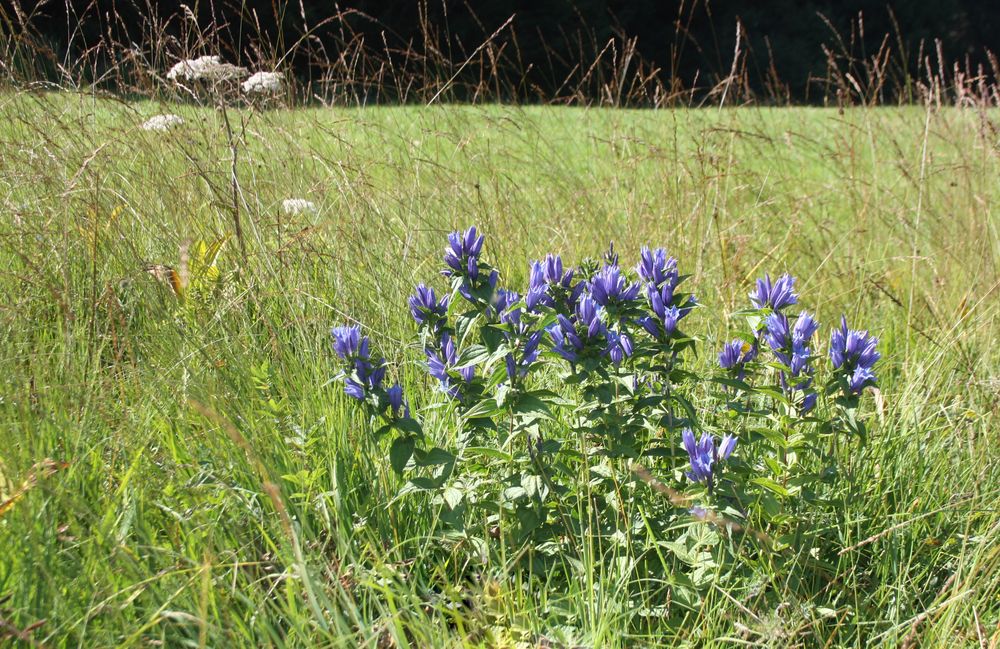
(296, 206)
(205, 68)
(264, 83)
(853, 354)
(704, 455)
(162, 123)
(593, 314)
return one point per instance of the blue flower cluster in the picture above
(775, 296)
(427, 310)
(789, 347)
(853, 354)
(462, 263)
(549, 286)
(520, 338)
(735, 355)
(668, 308)
(361, 376)
(441, 364)
(704, 455)
(589, 329)
(572, 335)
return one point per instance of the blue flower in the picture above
(703, 454)
(570, 336)
(736, 354)
(441, 363)
(347, 342)
(461, 255)
(698, 512)
(565, 341)
(610, 288)
(619, 345)
(853, 354)
(528, 355)
(657, 269)
(789, 344)
(546, 280)
(461, 258)
(789, 347)
(611, 256)
(778, 295)
(519, 336)
(465, 289)
(588, 314)
(425, 307)
(398, 406)
(666, 315)
(360, 375)
(503, 300)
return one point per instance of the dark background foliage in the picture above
(787, 46)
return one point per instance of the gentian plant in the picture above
(566, 393)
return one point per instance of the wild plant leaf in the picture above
(400, 453)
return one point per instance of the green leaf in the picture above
(453, 497)
(421, 483)
(528, 405)
(514, 493)
(485, 408)
(400, 453)
(773, 392)
(435, 457)
(409, 425)
(489, 452)
(733, 383)
(772, 486)
(471, 355)
(533, 486)
(551, 398)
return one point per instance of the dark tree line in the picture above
(786, 46)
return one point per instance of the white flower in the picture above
(263, 83)
(205, 67)
(162, 122)
(296, 206)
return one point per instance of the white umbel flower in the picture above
(263, 83)
(209, 68)
(296, 206)
(162, 122)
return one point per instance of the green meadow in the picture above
(178, 469)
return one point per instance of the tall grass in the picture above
(206, 486)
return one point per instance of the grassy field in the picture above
(191, 477)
